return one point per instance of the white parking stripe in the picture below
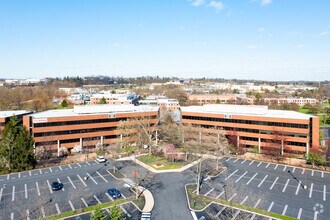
(257, 203)
(299, 213)
(8, 176)
(30, 173)
(43, 212)
(19, 175)
(70, 166)
(251, 162)
(267, 165)
(81, 180)
(284, 210)
(276, 167)
(312, 172)
(83, 200)
(209, 192)
(92, 178)
(40, 171)
(241, 177)
(124, 210)
(246, 197)
(273, 183)
(38, 190)
(26, 194)
(71, 205)
(88, 163)
(322, 174)
(60, 182)
(13, 195)
(57, 209)
(236, 160)
(298, 187)
(293, 169)
(254, 215)
(243, 161)
(286, 184)
(107, 194)
(311, 190)
(232, 197)
(324, 192)
(1, 190)
(270, 207)
(231, 174)
(251, 179)
(219, 195)
(303, 171)
(97, 199)
(262, 181)
(60, 168)
(79, 164)
(50, 188)
(228, 159)
(123, 196)
(102, 177)
(12, 216)
(259, 164)
(50, 169)
(223, 208)
(284, 168)
(315, 215)
(27, 215)
(71, 182)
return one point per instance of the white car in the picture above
(100, 159)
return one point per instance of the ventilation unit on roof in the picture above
(112, 115)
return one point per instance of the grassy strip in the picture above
(166, 163)
(207, 200)
(87, 209)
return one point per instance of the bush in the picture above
(317, 159)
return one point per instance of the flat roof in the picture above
(93, 110)
(6, 114)
(247, 110)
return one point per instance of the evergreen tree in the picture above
(98, 214)
(103, 101)
(64, 103)
(116, 213)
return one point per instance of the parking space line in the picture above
(26, 194)
(311, 190)
(298, 187)
(267, 165)
(236, 160)
(27, 215)
(60, 182)
(123, 196)
(276, 167)
(71, 182)
(322, 174)
(12, 216)
(102, 177)
(243, 161)
(303, 171)
(315, 215)
(97, 199)
(30, 173)
(50, 188)
(57, 209)
(284, 168)
(241, 177)
(60, 168)
(38, 190)
(8, 176)
(50, 169)
(251, 162)
(231, 174)
(228, 159)
(254, 215)
(259, 164)
(324, 192)
(312, 172)
(244, 200)
(232, 197)
(13, 195)
(257, 203)
(88, 163)
(19, 175)
(270, 207)
(294, 168)
(262, 181)
(92, 178)
(251, 179)
(273, 183)
(299, 213)
(223, 208)
(124, 210)
(81, 180)
(107, 194)
(1, 190)
(70, 166)
(40, 171)
(71, 205)
(83, 200)
(43, 212)
(284, 210)
(209, 192)
(286, 184)
(79, 164)
(219, 195)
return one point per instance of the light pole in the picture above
(224, 188)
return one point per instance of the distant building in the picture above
(6, 115)
(202, 99)
(114, 99)
(162, 102)
(281, 101)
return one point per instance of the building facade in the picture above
(202, 99)
(6, 115)
(83, 125)
(257, 126)
(282, 101)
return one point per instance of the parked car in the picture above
(114, 193)
(57, 186)
(100, 159)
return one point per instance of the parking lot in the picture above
(28, 195)
(272, 187)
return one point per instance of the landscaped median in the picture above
(163, 163)
(86, 210)
(200, 202)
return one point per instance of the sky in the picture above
(241, 39)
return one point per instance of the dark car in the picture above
(57, 186)
(114, 193)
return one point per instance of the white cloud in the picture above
(299, 46)
(197, 3)
(218, 6)
(324, 33)
(261, 29)
(252, 46)
(265, 2)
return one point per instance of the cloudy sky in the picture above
(246, 39)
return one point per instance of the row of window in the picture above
(81, 131)
(239, 121)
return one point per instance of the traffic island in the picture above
(117, 174)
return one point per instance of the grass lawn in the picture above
(161, 163)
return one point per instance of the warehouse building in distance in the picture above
(6, 115)
(257, 126)
(83, 125)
